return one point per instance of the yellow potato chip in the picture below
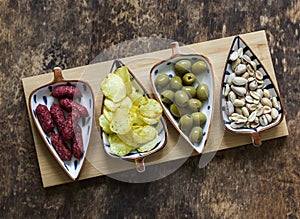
(151, 109)
(110, 105)
(123, 73)
(126, 77)
(149, 121)
(148, 146)
(104, 124)
(107, 113)
(142, 100)
(126, 102)
(117, 146)
(143, 134)
(113, 87)
(120, 122)
(136, 94)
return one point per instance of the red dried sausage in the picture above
(66, 91)
(44, 118)
(74, 115)
(68, 130)
(64, 152)
(77, 144)
(68, 104)
(58, 117)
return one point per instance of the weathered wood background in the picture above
(244, 182)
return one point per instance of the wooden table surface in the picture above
(243, 182)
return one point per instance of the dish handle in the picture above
(175, 48)
(140, 165)
(256, 140)
(57, 74)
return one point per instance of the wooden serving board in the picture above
(98, 162)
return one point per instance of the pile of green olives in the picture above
(183, 95)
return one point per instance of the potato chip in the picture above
(126, 102)
(123, 73)
(136, 94)
(126, 77)
(117, 146)
(142, 100)
(149, 121)
(148, 146)
(105, 124)
(120, 122)
(113, 87)
(107, 113)
(152, 109)
(143, 134)
(110, 105)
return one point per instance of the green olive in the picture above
(199, 67)
(202, 92)
(186, 123)
(181, 98)
(189, 79)
(176, 82)
(196, 134)
(182, 66)
(199, 118)
(174, 110)
(161, 81)
(190, 90)
(194, 104)
(167, 96)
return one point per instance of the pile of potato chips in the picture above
(129, 117)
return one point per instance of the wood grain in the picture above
(97, 162)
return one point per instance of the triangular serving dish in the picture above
(166, 67)
(259, 106)
(161, 127)
(43, 95)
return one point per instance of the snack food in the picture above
(61, 148)
(45, 119)
(128, 120)
(68, 104)
(66, 91)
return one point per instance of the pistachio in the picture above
(239, 81)
(240, 91)
(266, 102)
(238, 103)
(267, 109)
(238, 110)
(246, 75)
(231, 96)
(249, 99)
(263, 120)
(275, 103)
(240, 52)
(259, 111)
(255, 95)
(236, 125)
(245, 58)
(234, 56)
(230, 77)
(227, 90)
(245, 111)
(253, 85)
(240, 69)
(259, 75)
(252, 116)
(229, 108)
(269, 118)
(235, 64)
(274, 113)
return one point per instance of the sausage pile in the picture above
(68, 140)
